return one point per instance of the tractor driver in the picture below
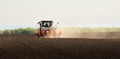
(46, 24)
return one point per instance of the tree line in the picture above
(71, 29)
(20, 31)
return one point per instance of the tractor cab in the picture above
(45, 25)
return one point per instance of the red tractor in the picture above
(46, 29)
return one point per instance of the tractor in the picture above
(47, 30)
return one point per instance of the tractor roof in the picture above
(46, 20)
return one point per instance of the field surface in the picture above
(29, 47)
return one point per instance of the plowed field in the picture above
(30, 47)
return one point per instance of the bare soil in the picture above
(30, 47)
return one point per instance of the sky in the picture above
(69, 13)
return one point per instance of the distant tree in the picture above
(6, 32)
(25, 32)
(1, 32)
